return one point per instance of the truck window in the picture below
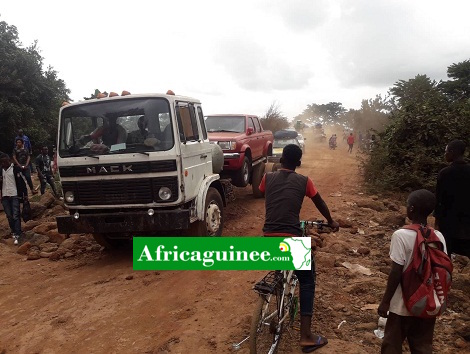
(201, 122)
(257, 124)
(251, 124)
(187, 122)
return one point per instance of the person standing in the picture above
(350, 142)
(44, 168)
(26, 145)
(13, 193)
(452, 214)
(285, 190)
(22, 159)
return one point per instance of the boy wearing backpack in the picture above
(412, 311)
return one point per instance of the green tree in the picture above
(30, 97)
(329, 113)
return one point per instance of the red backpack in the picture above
(426, 281)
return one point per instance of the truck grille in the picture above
(116, 169)
(121, 191)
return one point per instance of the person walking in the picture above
(13, 192)
(22, 159)
(350, 142)
(452, 214)
(44, 168)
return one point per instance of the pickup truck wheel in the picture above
(242, 178)
(258, 173)
(213, 222)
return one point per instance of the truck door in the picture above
(195, 150)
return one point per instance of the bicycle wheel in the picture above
(266, 329)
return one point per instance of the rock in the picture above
(393, 220)
(376, 234)
(42, 228)
(68, 254)
(336, 248)
(49, 247)
(67, 244)
(460, 343)
(57, 210)
(318, 241)
(55, 237)
(325, 260)
(55, 256)
(370, 326)
(344, 223)
(129, 277)
(47, 199)
(37, 209)
(45, 254)
(31, 224)
(363, 250)
(33, 254)
(38, 239)
(24, 248)
(353, 230)
(371, 204)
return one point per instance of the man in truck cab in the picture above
(110, 132)
(285, 191)
(138, 136)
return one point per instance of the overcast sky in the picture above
(240, 56)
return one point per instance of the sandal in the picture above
(319, 344)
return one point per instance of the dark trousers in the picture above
(350, 148)
(457, 246)
(418, 331)
(47, 178)
(11, 206)
(306, 289)
(27, 176)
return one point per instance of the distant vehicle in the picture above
(301, 141)
(282, 138)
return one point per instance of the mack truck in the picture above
(139, 164)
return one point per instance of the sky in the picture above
(242, 56)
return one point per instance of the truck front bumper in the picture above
(132, 222)
(233, 161)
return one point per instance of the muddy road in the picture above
(93, 302)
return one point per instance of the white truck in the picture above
(139, 165)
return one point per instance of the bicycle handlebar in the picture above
(317, 223)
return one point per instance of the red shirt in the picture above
(351, 139)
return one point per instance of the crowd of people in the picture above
(17, 171)
(451, 235)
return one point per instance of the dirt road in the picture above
(95, 303)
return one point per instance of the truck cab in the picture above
(137, 165)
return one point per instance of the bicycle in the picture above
(278, 304)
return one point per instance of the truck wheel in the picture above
(107, 242)
(242, 178)
(213, 222)
(258, 173)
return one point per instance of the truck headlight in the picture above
(227, 145)
(164, 193)
(69, 197)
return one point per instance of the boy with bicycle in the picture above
(284, 192)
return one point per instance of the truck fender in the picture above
(210, 181)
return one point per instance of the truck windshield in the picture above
(116, 126)
(233, 124)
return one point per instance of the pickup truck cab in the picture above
(245, 145)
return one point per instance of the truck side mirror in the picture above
(249, 131)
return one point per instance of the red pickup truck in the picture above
(246, 146)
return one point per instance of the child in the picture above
(401, 324)
(285, 191)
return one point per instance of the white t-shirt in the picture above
(9, 183)
(401, 250)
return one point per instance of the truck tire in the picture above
(242, 177)
(258, 173)
(213, 222)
